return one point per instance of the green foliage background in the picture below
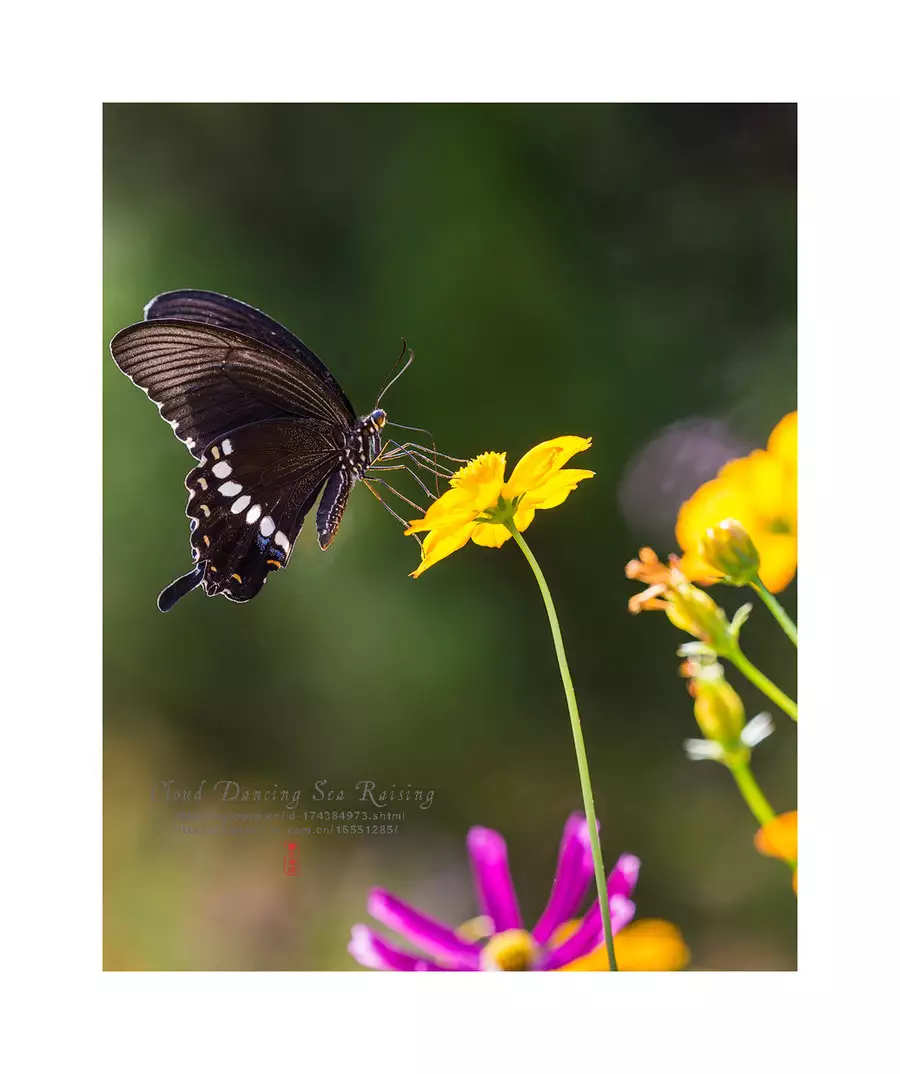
(599, 270)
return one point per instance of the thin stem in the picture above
(783, 619)
(587, 793)
(753, 796)
(762, 683)
(749, 788)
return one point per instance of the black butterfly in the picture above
(267, 421)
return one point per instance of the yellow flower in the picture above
(760, 493)
(778, 839)
(479, 500)
(651, 944)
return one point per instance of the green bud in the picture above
(728, 548)
(718, 709)
(693, 610)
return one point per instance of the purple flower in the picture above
(508, 946)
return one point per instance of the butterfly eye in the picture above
(380, 418)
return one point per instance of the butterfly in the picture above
(269, 425)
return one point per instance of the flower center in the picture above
(514, 949)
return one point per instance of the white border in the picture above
(838, 63)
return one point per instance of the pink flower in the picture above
(508, 946)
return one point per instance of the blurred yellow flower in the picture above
(759, 492)
(651, 944)
(479, 500)
(777, 839)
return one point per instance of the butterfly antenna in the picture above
(392, 377)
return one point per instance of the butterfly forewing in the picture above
(207, 381)
(207, 307)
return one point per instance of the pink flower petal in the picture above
(493, 883)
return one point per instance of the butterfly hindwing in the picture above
(207, 380)
(248, 497)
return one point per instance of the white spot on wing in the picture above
(240, 505)
(201, 481)
(222, 469)
(267, 526)
(254, 513)
(230, 488)
(226, 447)
(215, 452)
(280, 539)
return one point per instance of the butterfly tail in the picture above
(179, 588)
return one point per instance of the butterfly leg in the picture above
(422, 461)
(398, 494)
(388, 507)
(431, 451)
(412, 474)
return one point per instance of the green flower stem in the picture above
(753, 796)
(586, 792)
(749, 788)
(762, 683)
(781, 616)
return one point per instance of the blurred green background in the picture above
(623, 272)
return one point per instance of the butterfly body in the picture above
(270, 428)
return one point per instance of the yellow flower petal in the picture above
(541, 461)
(711, 504)
(490, 535)
(769, 489)
(650, 944)
(783, 441)
(523, 518)
(441, 543)
(482, 478)
(555, 489)
(456, 505)
(777, 560)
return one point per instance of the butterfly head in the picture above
(368, 439)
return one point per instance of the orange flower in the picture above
(759, 492)
(778, 839)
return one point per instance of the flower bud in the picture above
(718, 709)
(728, 548)
(693, 610)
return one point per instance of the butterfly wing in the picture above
(208, 380)
(247, 499)
(208, 307)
